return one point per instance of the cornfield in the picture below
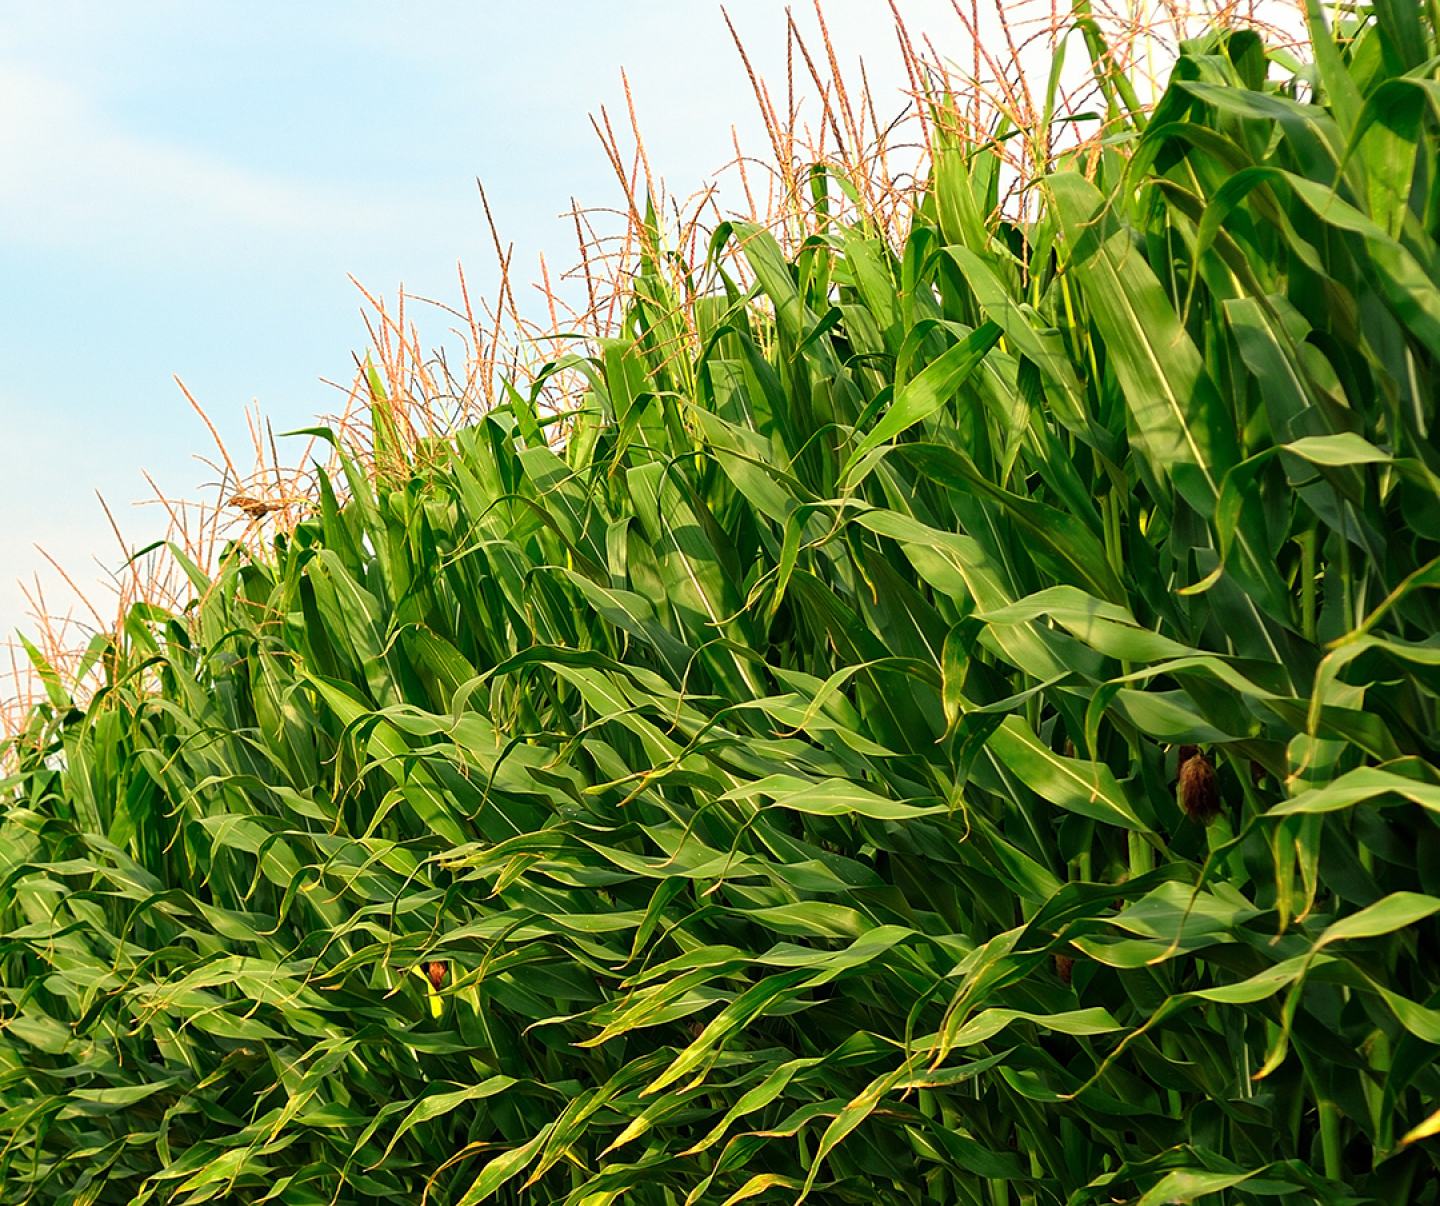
(939, 711)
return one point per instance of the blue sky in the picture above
(185, 188)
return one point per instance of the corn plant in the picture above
(946, 722)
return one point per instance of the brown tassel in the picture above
(1064, 968)
(436, 971)
(1199, 795)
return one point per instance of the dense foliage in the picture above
(770, 787)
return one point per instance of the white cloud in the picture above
(73, 179)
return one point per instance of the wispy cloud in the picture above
(74, 179)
